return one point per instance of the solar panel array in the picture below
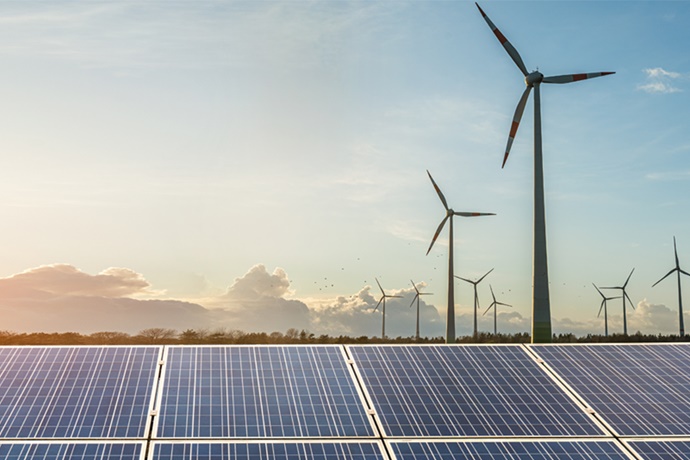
(387, 402)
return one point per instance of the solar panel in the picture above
(447, 391)
(260, 391)
(638, 390)
(505, 450)
(71, 450)
(76, 392)
(667, 449)
(371, 450)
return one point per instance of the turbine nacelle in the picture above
(534, 77)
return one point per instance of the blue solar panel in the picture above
(76, 392)
(73, 450)
(447, 391)
(371, 450)
(260, 391)
(639, 390)
(661, 450)
(505, 450)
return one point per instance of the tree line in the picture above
(163, 336)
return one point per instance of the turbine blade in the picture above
(464, 279)
(512, 52)
(492, 293)
(426, 293)
(415, 287)
(480, 279)
(631, 302)
(664, 277)
(438, 190)
(516, 122)
(473, 214)
(575, 77)
(377, 282)
(626, 281)
(684, 272)
(394, 296)
(595, 287)
(487, 310)
(676, 253)
(377, 305)
(438, 230)
(413, 299)
(504, 304)
(601, 308)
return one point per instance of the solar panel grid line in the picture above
(635, 389)
(508, 449)
(268, 450)
(466, 396)
(73, 450)
(659, 448)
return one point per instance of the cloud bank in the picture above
(660, 81)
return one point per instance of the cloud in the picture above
(659, 81)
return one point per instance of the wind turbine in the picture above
(450, 315)
(416, 297)
(495, 304)
(383, 298)
(476, 297)
(680, 297)
(541, 309)
(603, 306)
(624, 296)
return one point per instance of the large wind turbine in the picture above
(495, 305)
(450, 316)
(625, 296)
(680, 297)
(603, 306)
(416, 297)
(476, 296)
(541, 309)
(383, 298)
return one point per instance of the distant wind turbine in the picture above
(680, 297)
(603, 306)
(416, 297)
(495, 305)
(450, 316)
(541, 309)
(383, 298)
(476, 296)
(625, 297)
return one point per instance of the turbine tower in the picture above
(680, 297)
(603, 306)
(495, 304)
(450, 315)
(476, 296)
(625, 296)
(383, 298)
(541, 309)
(416, 297)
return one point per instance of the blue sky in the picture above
(200, 146)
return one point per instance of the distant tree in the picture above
(109, 338)
(157, 335)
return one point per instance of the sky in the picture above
(257, 165)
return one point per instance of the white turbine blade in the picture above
(626, 281)
(473, 214)
(487, 273)
(512, 52)
(575, 77)
(664, 277)
(519, 110)
(438, 231)
(438, 190)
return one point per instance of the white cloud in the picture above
(658, 81)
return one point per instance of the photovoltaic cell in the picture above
(639, 390)
(661, 450)
(63, 450)
(269, 451)
(76, 392)
(448, 391)
(508, 450)
(260, 391)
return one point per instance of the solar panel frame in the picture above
(40, 391)
(507, 449)
(82, 450)
(659, 448)
(308, 449)
(472, 410)
(647, 411)
(363, 425)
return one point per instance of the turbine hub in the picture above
(534, 77)
(449, 212)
